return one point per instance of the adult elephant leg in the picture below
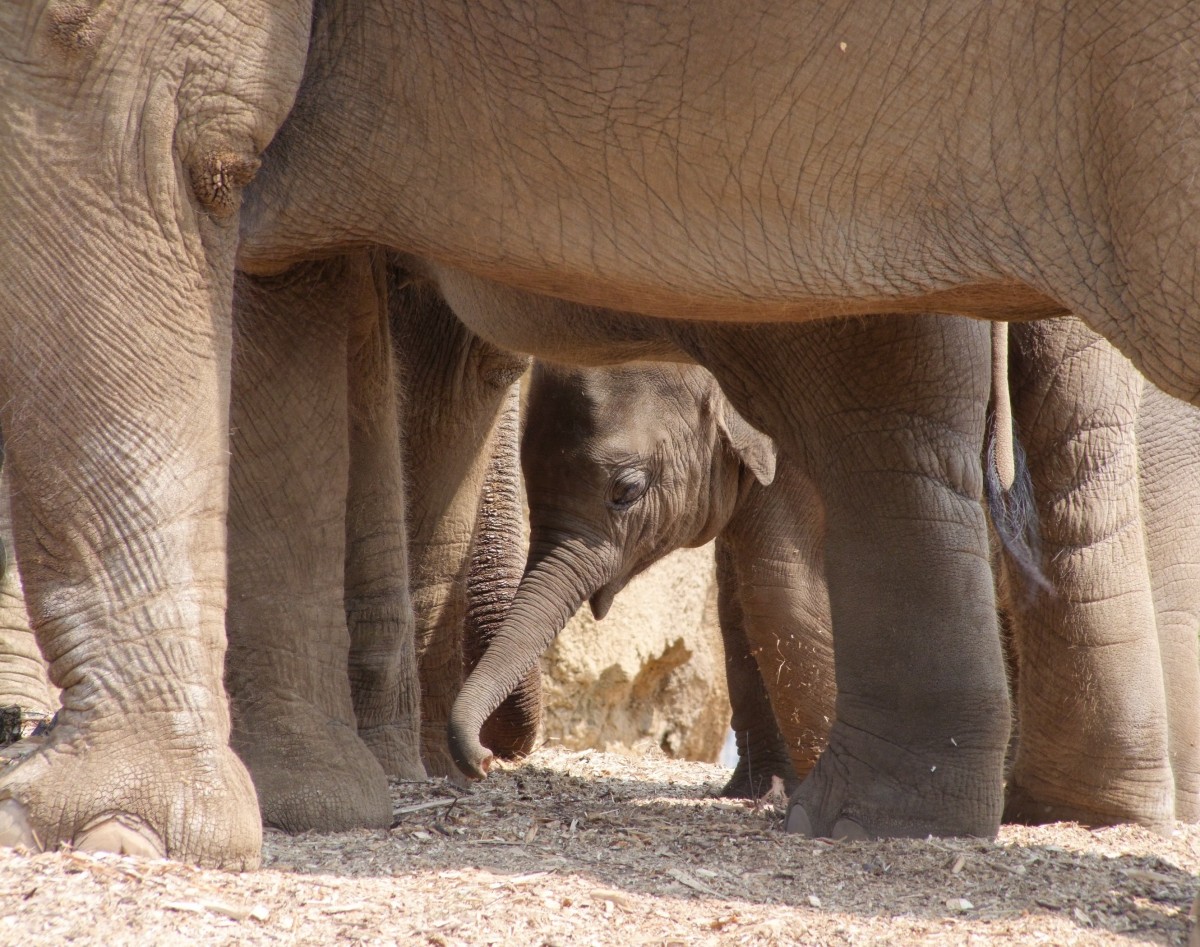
(497, 564)
(128, 134)
(455, 385)
(287, 670)
(888, 416)
(762, 753)
(379, 613)
(23, 680)
(117, 452)
(1168, 442)
(922, 706)
(1091, 701)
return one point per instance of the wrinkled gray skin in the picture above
(459, 417)
(321, 669)
(649, 160)
(634, 462)
(129, 133)
(1108, 691)
(1109, 676)
(320, 484)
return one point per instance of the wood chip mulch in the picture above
(593, 848)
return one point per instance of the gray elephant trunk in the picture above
(558, 578)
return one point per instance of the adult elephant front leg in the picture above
(117, 463)
(287, 673)
(130, 131)
(887, 416)
(922, 715)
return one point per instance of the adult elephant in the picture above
(646, 159)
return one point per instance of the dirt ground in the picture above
(592, 848)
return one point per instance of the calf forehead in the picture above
(613, 416)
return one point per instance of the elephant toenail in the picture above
(849, 831)
(798, 821)
(121, 834)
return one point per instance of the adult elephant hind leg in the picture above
(922, 714)
(1091, 700)
(287, 672)
(379, 610)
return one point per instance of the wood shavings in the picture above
(654, 858)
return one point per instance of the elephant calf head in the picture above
(633, 463)
(622, 466)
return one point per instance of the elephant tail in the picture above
(1007, 482)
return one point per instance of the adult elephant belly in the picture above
(886, 416)
(818, 160)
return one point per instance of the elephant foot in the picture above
(312, 773)
(1149, 803)
(396, 749)
(863, 787)
(135, 797)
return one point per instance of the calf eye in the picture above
(627, 488)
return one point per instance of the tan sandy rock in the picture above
(651, 672)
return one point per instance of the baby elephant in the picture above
(624, 465)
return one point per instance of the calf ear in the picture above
(754, 449)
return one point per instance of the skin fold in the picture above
(986, 160)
